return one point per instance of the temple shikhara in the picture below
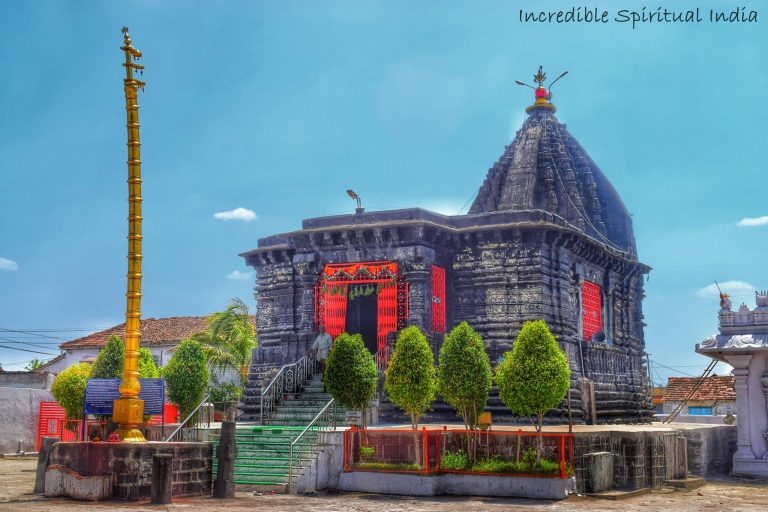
(547, 237)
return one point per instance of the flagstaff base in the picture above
(128, 413)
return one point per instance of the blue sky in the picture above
(278, 107)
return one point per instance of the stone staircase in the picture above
(300, 409)
(263, 457)
(263, 452)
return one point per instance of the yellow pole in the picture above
(128, 410)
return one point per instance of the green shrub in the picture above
(496, 465)
(547, 467)
(410, 375)
(529, 456)
(69, 389)
(464, 373)
(534, 377)
(366, 452)
(109, 362)
(454, 461)
(147, 367)
(350, 373)
(186, 376)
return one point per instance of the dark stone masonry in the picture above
(126, 469)
(547, 237)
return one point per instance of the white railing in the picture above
(291, 379)
(305, 446)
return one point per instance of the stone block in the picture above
(598, 472)
(162, 476)
(66, 482)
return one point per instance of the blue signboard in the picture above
(100, 395)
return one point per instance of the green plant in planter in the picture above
(454, 461)
(366, 453)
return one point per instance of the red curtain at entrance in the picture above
(335, 309)
(387, 314)
(591, 310)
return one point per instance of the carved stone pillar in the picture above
(419, 303)
(740, 365)
(304, 300)
(764, 383)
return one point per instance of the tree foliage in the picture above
(350, 373)
(464, 373)
(534, 376)
(147, 367)
(69, 389)
(186, 376)
(109, 362)
(33, 365)
(229, 341)
(410, 375)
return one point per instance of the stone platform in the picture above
(97, 471)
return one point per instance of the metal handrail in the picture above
(205, 400)
(332, 402)
(291, 378)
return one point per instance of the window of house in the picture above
(700, 410)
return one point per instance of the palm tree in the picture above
(229, 340)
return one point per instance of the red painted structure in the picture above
(591, 310)
(438, 299)
(395, 448)
(331, 293)
(52, 421)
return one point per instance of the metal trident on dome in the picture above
(543, 94)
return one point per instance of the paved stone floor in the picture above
(17, 479)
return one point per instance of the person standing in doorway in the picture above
(322, 346)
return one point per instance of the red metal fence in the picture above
(516, 453)
(52, 423)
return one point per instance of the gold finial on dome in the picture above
(543, 95)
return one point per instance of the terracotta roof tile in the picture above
(716, 387)
(154, 331)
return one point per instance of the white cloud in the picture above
(732, 288)
(243, 214)
(748, 222)
(6, 264)
(240, 276)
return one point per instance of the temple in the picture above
(547, 237)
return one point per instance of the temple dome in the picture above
(545, 168)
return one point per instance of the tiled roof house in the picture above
(715, 396)
(159, 335)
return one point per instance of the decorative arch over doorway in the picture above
(338, 280)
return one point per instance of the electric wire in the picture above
(32, 333)
(29, 343)
(26, 350)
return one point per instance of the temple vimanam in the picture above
(547, 237)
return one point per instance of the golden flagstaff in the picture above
(128, 410)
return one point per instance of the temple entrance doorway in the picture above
(362, 319)
(369, 298)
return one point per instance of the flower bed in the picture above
(503, 453)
